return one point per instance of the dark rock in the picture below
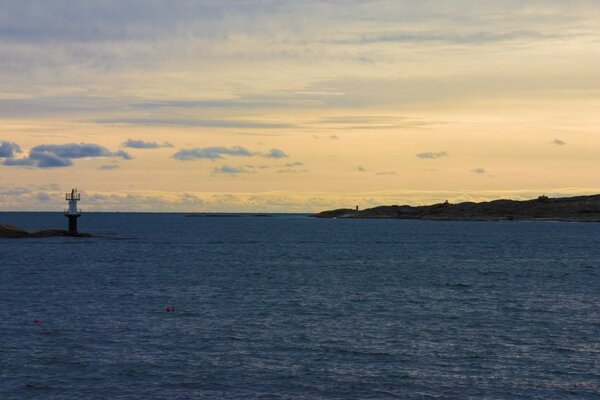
(8, 231)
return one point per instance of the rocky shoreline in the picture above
(8, 231)
(570, 209)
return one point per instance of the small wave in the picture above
(41, 387)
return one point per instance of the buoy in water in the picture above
(169, 309)
(37, 321)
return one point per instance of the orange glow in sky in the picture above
(296, 106)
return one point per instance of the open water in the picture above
(299, 308)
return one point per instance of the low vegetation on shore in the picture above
(576, 209)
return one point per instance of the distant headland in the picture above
(575, 209)
(8, 231)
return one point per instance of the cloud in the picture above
(49, 160)
(447, 37)
(217, 153)
(292, 168)
(432, 155)
(559, 142)
(294, 164)
(478, 170)
(212, 153)
(208, 123)
(229, 170)
(331, 137)
(109, 167)
(18, 162)
(224, 103)
(61, 155)
(43, 196)
(275, 153)
(123, 154)
(77, 150)
(141, 144)
(291, 171)
(8, 149)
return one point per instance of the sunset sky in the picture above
(296, 106)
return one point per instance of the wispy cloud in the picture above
(294, 164)
(226, 103)
(141, 144)
(109, 167)
(212, 153)
(216, 153)
(207, 123)
(229, 170)
(432, 155)
(330, 137)
(479, 37)
(369, 122)
(292, 168)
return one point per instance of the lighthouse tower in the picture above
(72, 212)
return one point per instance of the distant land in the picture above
(575, 209)
(8, 231)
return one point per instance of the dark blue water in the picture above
(293, 307)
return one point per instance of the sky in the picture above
(287, 106)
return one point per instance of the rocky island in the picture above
(8, 231)
(575, 209)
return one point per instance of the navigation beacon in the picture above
(72, 212)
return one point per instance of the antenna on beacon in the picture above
(72, 212)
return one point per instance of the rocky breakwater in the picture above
(574, 209)
(8, 231)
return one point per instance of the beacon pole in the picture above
(72, 213)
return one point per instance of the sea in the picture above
(242, 306)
